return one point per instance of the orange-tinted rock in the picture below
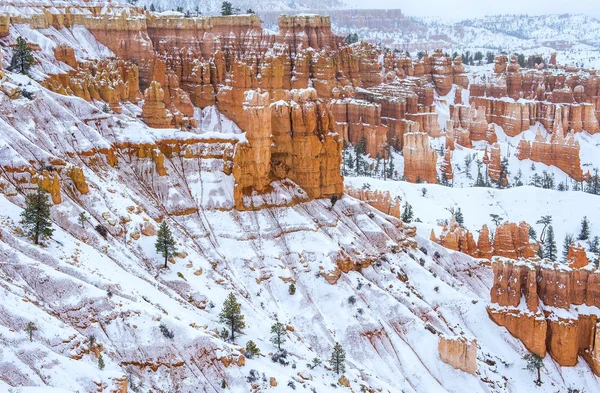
(419, 158)
(49, 182)
(66, 54)
(528, 327)
(76, 174)
(459, 352)
(495, 170)
(446, 168)
(484, 247)
(512, 241)
(381, 201)
(577, 257)
(456, 238)
(154, 111)
(560, 151)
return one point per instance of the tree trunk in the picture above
(232, 330)
(539, 380)
(166, 257)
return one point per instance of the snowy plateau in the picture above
(247, 142)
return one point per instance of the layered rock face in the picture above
(510, 240)
(550, 96)
(419, 158)
(459, 352)
(563, 336)
(560, 151)
(380, 200)
(112, 81)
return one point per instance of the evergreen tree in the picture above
(566, 245)
(292, 289)
(226, 8)
(458, 216)
(82, 218)
(338, 358)
(251, 350)
(36, 216)
(100, 362)
(479, 182)
(231, 314)
(22, 59)
(407, 214)
(278, 334)
(545, 220)
(152, 8)
(584, 234)
(550, 245)
(534, 364)
(496, 219)
(30, 328)
(359, 149)
(595, 244)
(165, 244)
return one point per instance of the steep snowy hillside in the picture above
(386, 314)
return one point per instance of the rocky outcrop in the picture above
(563, 336)
(419, 158)
(560, 151)
(459, 352)
(456, 238)
(512, 241)
(446, 168)
(154, 111)
(577, 257)
(495, 168)
(380, 200)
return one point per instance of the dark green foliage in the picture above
(152, 8)
(338, 358)
(251, 350)
(165, 243)
(226, 8)
(490, 57)
(292, 289)
(497, 220)
(82, 218)
(36, 216)
(407, 214)
(223, 384)
(595, 244)
(100, 362)
(22, 59)
(30, 328)
(584, 233)
(566, 244)
(532, 233)
(351, 38)
(534, 364)
(231, 314)
(458, 216)
(359, 150)
(550, 249)
(166, 332)
(278, 334)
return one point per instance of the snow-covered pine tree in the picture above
(22, 59)
(36, 216)
(165, 243)
(584, 233)
(232, 316)
(338, 358)
(550, 249)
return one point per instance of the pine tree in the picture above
(458, 216)
(546, 220)
(82, 218)
(360, 149)
(165, 244)
(278, 334)
(100, 362)
(496, 219)
(407, 214)
(534, 364)
(36, 216)
(566, 245)
(226, 8)
(152, 8)
(584, 234)
(30, 328)
(338, 357)
(231, 314)
(251, 350)
(550, 245)
(22, 59)
(595, 244)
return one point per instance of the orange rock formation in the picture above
(459, 352)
